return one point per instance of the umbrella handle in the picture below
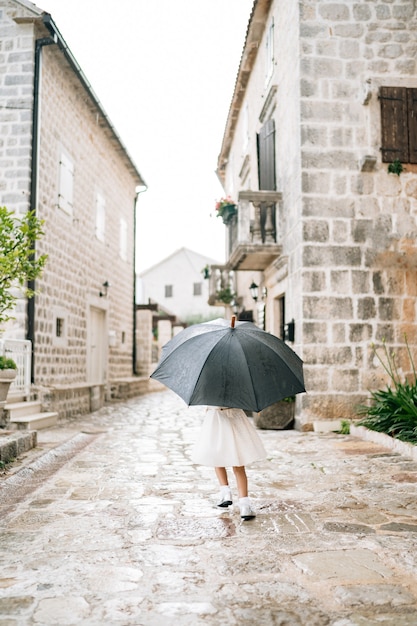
(232, 323)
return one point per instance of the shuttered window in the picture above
(266, 157)
(398, 124)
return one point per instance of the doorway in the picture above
(97, 347)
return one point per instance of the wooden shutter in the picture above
(266, 157)
(412, 124)
(394, 124)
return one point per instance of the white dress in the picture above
(227, 439)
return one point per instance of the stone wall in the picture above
(144, 341)
(78, 262)
(16, 86)
(70, 293)
(358, 263)
(348, 268)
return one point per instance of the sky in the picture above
(164, 72)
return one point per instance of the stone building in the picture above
(62, 158)
(320, 155)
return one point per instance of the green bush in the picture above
(393, 410)
(7, 364)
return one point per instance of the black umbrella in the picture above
(230, 364)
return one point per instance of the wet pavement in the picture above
(108, 522)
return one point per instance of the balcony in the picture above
(252, 233)
(221, 286)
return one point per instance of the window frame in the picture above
(65, 183)
(100, 229)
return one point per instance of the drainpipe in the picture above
(139, 190)
(30, 307)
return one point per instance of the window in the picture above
(266, 157)
(100, 217)
(269, 53)
(197, 289)
(59, 327)
(168, 291)
(398, 124)
(66, 183)
(123, 239)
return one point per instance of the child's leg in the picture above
(241, 480)
(246, 511)
(225, 493)
(221, 475)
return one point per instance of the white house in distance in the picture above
(178, 285)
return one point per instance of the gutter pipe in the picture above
(33, 198)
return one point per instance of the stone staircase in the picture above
(28, 415)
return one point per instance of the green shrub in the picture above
(393, 410)
(7, 364)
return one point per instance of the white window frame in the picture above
(66, 183)
(100, 217)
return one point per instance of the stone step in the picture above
(36, 421)
(13, 444)
(19, 409)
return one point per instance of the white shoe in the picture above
(225, 499)
(246, 512)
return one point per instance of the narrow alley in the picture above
(108, 522)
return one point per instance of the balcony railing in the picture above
(252, 235)
(221, 286)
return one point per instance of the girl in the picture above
(229, 439)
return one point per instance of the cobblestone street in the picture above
(113, 524)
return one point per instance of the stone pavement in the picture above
(110, 523)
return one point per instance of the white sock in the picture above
(224, 490)
(244, 501)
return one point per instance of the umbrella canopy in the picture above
(233, 365)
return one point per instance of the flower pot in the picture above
(228, 212)
(278, 416)
(6, 379)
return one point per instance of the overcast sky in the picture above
(164, 71)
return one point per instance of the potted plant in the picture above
(277, 416)
(225, 295)
(8, 372)
(18, 265)
(226, 209)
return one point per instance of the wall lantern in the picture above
(254, 291)
(105, 285)
(289, 331)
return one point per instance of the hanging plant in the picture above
(226, 209)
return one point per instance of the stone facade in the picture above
(347, 227)
(83, 314)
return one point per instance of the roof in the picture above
(254, 33)
(37, 15)
(195, 259)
